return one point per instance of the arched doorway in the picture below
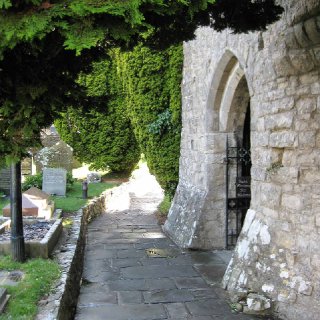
(230, 102)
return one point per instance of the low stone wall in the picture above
(34, 248)
(61, 304)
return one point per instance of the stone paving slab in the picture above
(150, 272)
(121, 312)
(126, 278)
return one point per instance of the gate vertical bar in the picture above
(236, 185)
(227, 191)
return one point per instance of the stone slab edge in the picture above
(4, 299)
(61, 304)
(34, 248)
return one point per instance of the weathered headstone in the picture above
(5, 180)
(54, 181)
(93, 177)
(60, 155)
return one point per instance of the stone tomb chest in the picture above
(54, 181)
(35, 203)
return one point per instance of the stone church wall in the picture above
(278, 72)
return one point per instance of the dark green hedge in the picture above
(153, 93)
(140, 112)
(105, 138)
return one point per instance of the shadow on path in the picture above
(133, 271)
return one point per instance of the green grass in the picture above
(164, 206)
(73, 200)
(40, 275)
(3, 203)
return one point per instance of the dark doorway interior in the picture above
(238, 161)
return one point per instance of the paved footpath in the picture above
(133, 271)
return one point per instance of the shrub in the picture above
(104, 139)
(32, 181)
(36, 181)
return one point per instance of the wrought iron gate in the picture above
(238, 190)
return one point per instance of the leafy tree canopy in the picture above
(44, 45)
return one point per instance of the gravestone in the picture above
(5, 180)
(93, 177)
(60, 155)
(54, 181)
(29, 208)
(35, 203)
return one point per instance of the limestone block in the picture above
(307, 121)
(291, 40)
(301, 60)
(315, 260)
(214, 159)
(311, 176)
(283, 83)
(315, 88)
(270, 195)
(284, 175)
(318, 103)
(258, 173)
(306, 105)
(283, 139)
(260, 139)
(276, 94)
(282, 65)
(263, 157)
(301, 35)
(287, 296)
(273, 214)
(294, 202)
(256, 302)
(279, 121)
(307, 139)
(312, 30)
(216, 142)
(284, 104)
(284, 240)
(318, 221)
(309, 78)
(301, 285)
(316, 55)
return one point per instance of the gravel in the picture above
(35, 231)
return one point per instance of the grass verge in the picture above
(3, 203)
(163, 209)
(40, 275)
(73, 200)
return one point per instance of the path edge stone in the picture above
(61, 303)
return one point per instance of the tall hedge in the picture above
(102, 137)
(140, 111)
(151, 82)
